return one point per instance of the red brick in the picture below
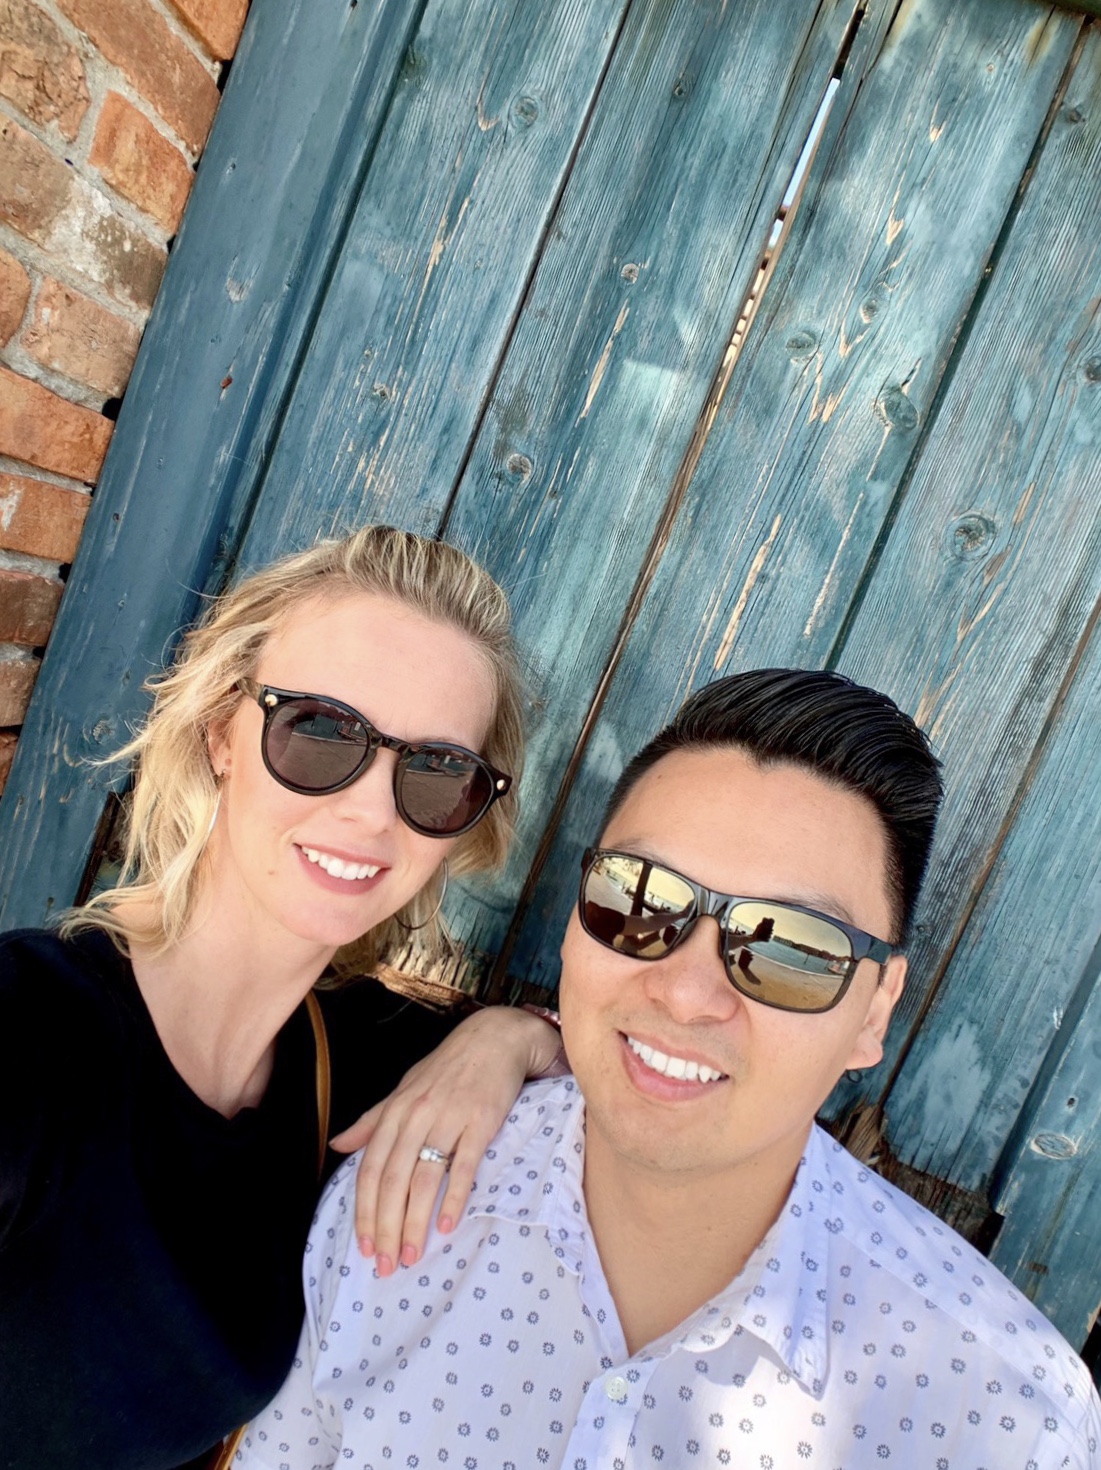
(39, 71)
(36, 184)
(74, 335)
(7, 753)
(43, 429)
(41, 519)
(28, 606)
(132, 35)
(217, 23)
(17, 676)
(140, 162)
(15, 290)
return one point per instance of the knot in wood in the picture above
(869, 307)
(382, 392)
(895, 409)
(802, 344)
(1075, 115)
(682, 88)
(1091, 370)
(526, 110)
(630, 273)
(1054, 1146)
(518, 465)
(970, 534)
(102, 732)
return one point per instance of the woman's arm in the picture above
(454, 1101)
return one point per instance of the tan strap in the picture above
(223, 1457)
(324, 1078)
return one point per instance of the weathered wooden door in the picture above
(477, 269)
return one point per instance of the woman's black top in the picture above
(150, 1249)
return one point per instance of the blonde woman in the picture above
(341, 730)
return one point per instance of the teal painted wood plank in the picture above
(1051, 1193)
(659, 236)
(438, 254)
(976, 610)
(934, 129)
(268, 205)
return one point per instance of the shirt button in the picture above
(616, 1389)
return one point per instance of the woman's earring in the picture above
(218, 780)
(409, 928)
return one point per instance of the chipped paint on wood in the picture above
(730, 632)
(603, 361)
(824, 591)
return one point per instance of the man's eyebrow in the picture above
(827, 904)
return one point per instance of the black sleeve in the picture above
(57, 1040)
(375, 1036)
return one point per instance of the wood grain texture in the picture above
(975, 611)
(803, 467)
(658, 238)
(1050, 1180)
(484, 123)
(268, 207)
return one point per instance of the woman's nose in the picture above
(370, 799)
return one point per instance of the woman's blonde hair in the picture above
(175, 791)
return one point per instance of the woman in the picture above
(341, 728)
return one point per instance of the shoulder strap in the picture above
(324, 1078)
(223, 1457)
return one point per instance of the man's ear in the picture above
(868, 1047)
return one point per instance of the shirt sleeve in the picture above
(301, 1428)
(1089, 1457)
(53, 1039)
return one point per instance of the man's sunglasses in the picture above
(316, 746)
(778, 953)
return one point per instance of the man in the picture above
(682, 1268)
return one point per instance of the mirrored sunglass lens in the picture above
(634, 907)
(315, 745)
(787, 958)
(444, 790)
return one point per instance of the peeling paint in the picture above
(602, 366)
(820, 600)
(485, 124)
(743, 597)
(9, 504)
(893, 227)
(953, 1068)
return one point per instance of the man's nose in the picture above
(691, 982)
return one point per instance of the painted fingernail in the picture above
(384, 1265)
(408, 1255)
(445, 1224)
(366, 1246)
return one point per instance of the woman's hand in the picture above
(454, 1100)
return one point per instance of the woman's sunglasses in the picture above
(778, 953)
(316, 746)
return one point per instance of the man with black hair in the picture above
(664, 1259)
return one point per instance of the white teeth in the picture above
(338, 867)
(677, 1067)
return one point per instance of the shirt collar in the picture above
(781, 1294)
(541, 1182)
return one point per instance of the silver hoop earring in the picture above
(410, 928)
(218, 779)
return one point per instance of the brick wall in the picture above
(104, 109)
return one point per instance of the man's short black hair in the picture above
(832, 727)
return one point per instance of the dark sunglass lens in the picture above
(786, 958)
(315, 746)
(442, 790)
(634, 907)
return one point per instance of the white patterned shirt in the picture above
(861, 1331)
